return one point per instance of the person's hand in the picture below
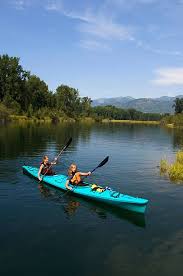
(89, 173)
(40, 179)
(69, 188)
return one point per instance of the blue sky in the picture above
(105, 48)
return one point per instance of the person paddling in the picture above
(45, 167)
(74, 177)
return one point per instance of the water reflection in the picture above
(71, 204)
(24, 139)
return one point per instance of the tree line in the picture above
(176, 119)
(23, 93)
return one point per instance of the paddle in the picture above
(56, 158)
(99, 166)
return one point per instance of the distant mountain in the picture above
(112, 101)
(154, 105)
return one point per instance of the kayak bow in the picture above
(108, 196)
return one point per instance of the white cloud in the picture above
(169, 76)
(94, 27)
(101, 27)
(104, 28)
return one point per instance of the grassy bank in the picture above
(174, 170)
(131, 122)
(173, 121)
(23, 118)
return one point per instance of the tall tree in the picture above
(178, 105)
(38, 93)
(86, 106)
(68, 100)
(13, 80)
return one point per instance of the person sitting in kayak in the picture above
(74, 177)
(45, 167)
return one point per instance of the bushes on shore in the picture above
(26, 94)
(4, 113)
(175, 170)
(175, 120)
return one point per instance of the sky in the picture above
(104, 48)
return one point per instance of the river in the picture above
(43, 232)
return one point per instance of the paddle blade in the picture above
(101, 163)
(68, 143)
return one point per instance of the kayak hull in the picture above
(123, 201)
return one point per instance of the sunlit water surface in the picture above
(43, 232)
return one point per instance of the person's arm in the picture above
(67, 185)
(84, 174)
(40, 169)
(54, 162)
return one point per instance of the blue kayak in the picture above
(108, 196)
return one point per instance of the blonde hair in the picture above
(70, 169)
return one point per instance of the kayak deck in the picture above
(108, 196)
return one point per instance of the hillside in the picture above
(155, 105)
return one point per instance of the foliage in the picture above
(164, 166)
(179, 157)
(4, 112)
(10, 103)
(13, 80)
(26, 94)
(37, 91)
(178, 105)
(67, 99)
(176, 120)
(116, 113)
(174, 170)
(30, 111)
(86, 106)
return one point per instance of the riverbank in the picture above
(24, 118)
(173, 121)
(131, 122)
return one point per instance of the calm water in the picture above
(43, 233)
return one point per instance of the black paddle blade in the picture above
(68, 143)
(103, 162)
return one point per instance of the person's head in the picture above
(45, 159)
(72, 169)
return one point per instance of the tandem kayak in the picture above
(108, 196)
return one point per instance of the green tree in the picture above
(11, 104)
(38, 93)
(13, 80)
(178, 105)
(86, 106)
(30, 111)
(68, 100)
